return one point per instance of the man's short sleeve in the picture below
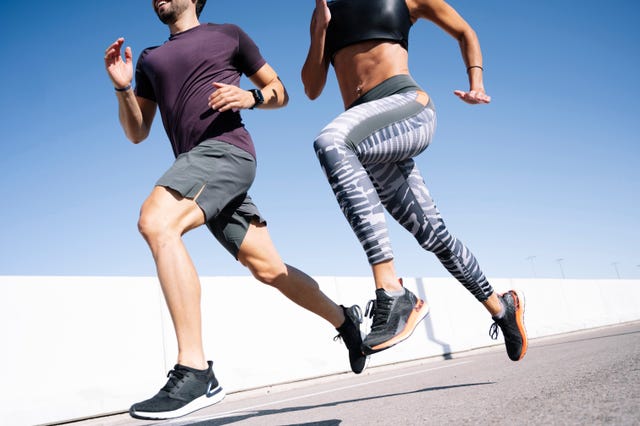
(249, 59)
(144, 89)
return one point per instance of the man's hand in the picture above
(228, 96)
(120, 71)
(473, 97)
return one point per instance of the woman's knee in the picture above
(327, 143)
(436, 239)
(322, 143)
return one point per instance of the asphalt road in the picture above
(584, 378)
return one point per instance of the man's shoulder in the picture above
(148, 50)
(224, 27)
(145, 53)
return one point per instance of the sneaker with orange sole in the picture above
(512, 325)
(394, 319)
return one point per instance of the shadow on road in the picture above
(332, 422)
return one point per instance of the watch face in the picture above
(257, 97)
(257, 94)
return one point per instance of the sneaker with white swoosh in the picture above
(186, 391)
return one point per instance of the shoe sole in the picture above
(520, 323)
(204, 401)
(364, 367)
(366, 359)
(419, 311)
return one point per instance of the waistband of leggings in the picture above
(401, 83)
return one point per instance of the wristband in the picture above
(123, 89)
(257, 97)
(474, 66)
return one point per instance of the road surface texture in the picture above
(584, 378)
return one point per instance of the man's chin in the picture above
(166, 18)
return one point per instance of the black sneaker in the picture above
(352, 337)
(512, 325)
(394, 319)
(186, 391)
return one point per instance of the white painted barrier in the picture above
(75, 347)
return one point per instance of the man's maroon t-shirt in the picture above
(178, 76)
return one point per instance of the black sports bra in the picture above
(353, 21)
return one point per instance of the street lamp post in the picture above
(615, 266)
(559, 260)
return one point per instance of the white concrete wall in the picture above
(80, 346)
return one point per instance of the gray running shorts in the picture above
(221, 174)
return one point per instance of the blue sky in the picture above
(549, 170)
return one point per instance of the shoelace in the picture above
(175, 376)
(493, 331)
(378, 309)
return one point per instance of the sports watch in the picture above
(257, 96)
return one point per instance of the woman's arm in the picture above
(447, 18)
(316, 66)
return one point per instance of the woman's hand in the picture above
(473, 97)
(321, 16)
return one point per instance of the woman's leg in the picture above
(343, 148)
(355, 138)
(403, 192)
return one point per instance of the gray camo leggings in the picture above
(366, 154)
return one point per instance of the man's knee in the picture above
(155, 224)
(258, 254)
(268, 273)
(150, 223)
(265, 265)
(167, 214)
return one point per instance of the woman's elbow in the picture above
(468, 37)
(312, 93)
(135, 141)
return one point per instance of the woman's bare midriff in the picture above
(362, 66)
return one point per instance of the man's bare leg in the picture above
(258, 253)
(165, 216)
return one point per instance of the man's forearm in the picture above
(131, 118)
(275, 95)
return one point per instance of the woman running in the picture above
(367, 153)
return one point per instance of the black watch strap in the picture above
(257, 96)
